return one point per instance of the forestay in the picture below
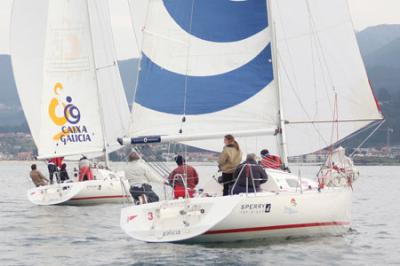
(318, 57)
(69, 82)
(206, 67)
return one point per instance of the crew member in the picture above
(249, 176)
(270, 161)
(85, 173)
(228, 160)
(183, 176)
(54, 165)
(37, 177)
(64, 173)
(139, 175)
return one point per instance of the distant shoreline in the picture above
(214, 163)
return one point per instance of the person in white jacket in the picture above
(139, 175)
(138, 172)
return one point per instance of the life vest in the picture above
(57, 161)
(271, 161)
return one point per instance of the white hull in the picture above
(262, 216)
(108, 189)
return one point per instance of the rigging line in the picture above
(301, 103)
(337, 117)
(359, 132)
(291, 57)
(314, 36)
(333, 128)
(287, 46)
(295, 81)
(161, 165)
(315, 33)
(149, 164)
(335, 124)
(130, 6)
(367, 138)
(314, 76)
(140, 50)
(187, 68)
(156, 166)
(317, 58)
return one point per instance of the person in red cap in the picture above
(183, 176)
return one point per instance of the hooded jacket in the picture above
(229, 159)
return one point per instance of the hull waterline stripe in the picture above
(101, 197)
(274, 227)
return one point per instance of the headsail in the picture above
(76, 88)
(206, 67)
(322, 77)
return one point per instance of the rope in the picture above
(367, 138)
(187, 69)
(357, 133)
(320, 43)
(140, 52)
(301, 104)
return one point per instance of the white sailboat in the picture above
(277, 74)
(71, 91)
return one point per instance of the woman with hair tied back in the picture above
(228, 161)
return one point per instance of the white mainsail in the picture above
(207, 66)
(69, 82)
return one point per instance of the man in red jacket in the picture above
(183, 174)
(54, 165)
(270, 161)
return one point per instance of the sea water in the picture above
(66, 235)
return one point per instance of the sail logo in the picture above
(71, 130)
(230, 56)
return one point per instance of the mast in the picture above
(281, 120)
(101, 112)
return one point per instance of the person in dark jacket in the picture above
(249, 176)
(64, 173)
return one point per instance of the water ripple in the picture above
(35, 235)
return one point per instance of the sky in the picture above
(365, 13)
